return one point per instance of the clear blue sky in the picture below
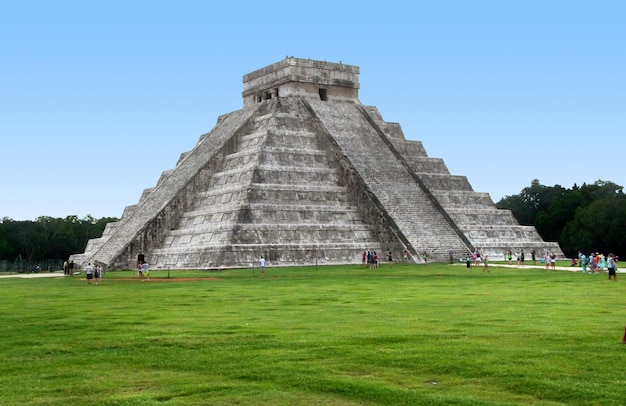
(98, 98)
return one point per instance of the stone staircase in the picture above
(389, 180)
(489, 230)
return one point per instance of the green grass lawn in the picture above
(401, 335)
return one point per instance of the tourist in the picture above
(425, 257)
(583, 262)
(553, 261)
(262, 265)
(98, 273)
(533, 256)
(546, 259)
(468, 262)
(405, 257)
(593, 263)
(509, 256)
(602, 263)
(66, 268)
(521, 258)
(390, 258)
(364, 259)
(145, 271)
(89, 273)
(612, 267)
(477, 258)
(486, 264)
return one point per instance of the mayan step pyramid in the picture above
(304, 174)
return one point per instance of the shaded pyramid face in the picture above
(304, 174)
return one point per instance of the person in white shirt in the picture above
(89, 273)
(145, 270)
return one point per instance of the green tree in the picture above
(598, 227)
(587, 218)
(48, 237)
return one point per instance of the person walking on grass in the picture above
(486, 264)
(89, 273)
(145, 271)
(593, 264)
(612, 267)
(262, 265)
(98, 273)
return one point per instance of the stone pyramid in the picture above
(304, 174)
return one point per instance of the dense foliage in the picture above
(47, 237)
(588, 218)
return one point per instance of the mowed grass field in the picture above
(336, 335)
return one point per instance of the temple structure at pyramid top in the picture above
(295, 77)
(305, 174)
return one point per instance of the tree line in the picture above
(48, 238)
(587, 218)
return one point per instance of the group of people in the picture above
(550, 260)
(68, 268)
(93, 273)
(597, 263)
(369, 259)
(521, 257)
(477, 258)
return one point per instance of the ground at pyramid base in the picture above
(305, 174)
